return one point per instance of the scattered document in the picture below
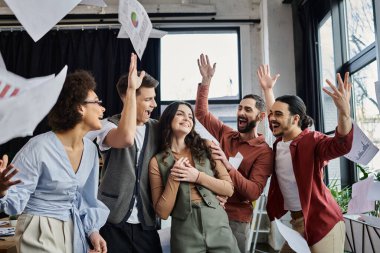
(4, 223)
(2, 63)
(363, 150)
(377, 88)
(155, 34)
(236, 161)
(202, 131)
(360, 202)
(136, 23)
(21, 113)
(7, 231)
(374, 191)
(98, 3)
(39, 16)
(294, 239)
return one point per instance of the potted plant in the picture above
(13, 220)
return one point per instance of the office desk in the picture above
(7, 244)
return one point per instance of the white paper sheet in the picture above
(99, 3)
(7, 231)
(136, 23)
(21, 113)
(359, 202)
(39, 16)
(155, 34)
(377, 88)
(236, 161)
(363, 150)
(202, 131)
(2, 64)
(374, 191)
(12, 84)
(294, 239)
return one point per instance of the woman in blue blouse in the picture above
(56, 186)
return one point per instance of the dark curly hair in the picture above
(198, 146)
(65, 115)
(147, 82)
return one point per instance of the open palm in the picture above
(207, 71)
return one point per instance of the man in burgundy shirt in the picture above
(255, 169)
(300, 157)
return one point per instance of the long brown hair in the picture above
(193, 140)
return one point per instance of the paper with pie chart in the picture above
(135, 21)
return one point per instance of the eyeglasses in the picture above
(99, 102)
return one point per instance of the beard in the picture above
(250, 125)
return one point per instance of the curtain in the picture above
(307, 75)
(98, 51)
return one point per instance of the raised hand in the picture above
(134, 81)
(5, 176)
(341, 95)
(265, 79)
(218, 154)
(222, 200)
(184, 171)
(207, 71)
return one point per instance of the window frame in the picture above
(239, 61)
(336, 9)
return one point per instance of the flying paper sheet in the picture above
(202, 131)
(99, 3)
(21, 113)
(155, 34)
(294, 239)
(360, 202)
(136, 23)
(374, 191)
(236, 161)
(2, 64)
(39, 16)
(363, 150)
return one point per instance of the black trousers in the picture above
(130, 238)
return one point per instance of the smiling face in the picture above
(247, 115)
(183, 121)
(145, 104)
(92, 111)
(282, 122)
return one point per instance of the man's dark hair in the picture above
(297, 106)
(147, 82)
(260, 103)
(65, 115)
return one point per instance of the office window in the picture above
(179, 70)
(360, 25)
(327, 71)
(365, 107)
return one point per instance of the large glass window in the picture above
(179, 70)
(360, 25)
(327, 71)
(366, 110)
(346, 36)
(327, 67)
